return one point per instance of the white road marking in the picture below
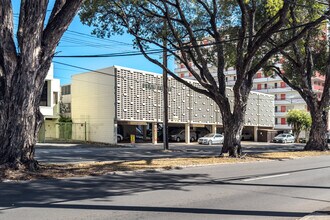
(265, 177)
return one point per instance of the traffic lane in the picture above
(62, 153)
(267, 190)
(231, 191)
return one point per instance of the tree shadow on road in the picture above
(51, 193)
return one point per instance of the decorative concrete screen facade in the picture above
(139, 98)
(118, 95)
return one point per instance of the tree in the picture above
(246, 24)
(299, 120)
(303, 60)
(23, 68)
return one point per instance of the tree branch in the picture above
(8, 55)
(280, 47)
(59, 24)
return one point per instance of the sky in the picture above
(79, 41)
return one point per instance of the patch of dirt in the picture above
(57, 171)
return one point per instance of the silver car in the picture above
(180, 136)
(212, 138)
(284, 138)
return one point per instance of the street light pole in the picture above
(165, 92)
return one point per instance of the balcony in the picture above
(50, 111)
(282, 127)
(291, 101)
(180, 70)
(281, 114)
(267, 79)
(283, 102)
(273, 89)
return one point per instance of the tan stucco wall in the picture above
(93, 102)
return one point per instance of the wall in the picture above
(140, 95)
(93, 102)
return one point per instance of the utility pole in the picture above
(165, 91)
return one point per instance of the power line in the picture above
(105, 39)
(134, 53)
(123, 54)
(113, 75)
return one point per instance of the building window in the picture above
(258, 75)
(283, 85)
(283, 108)
(44, 95)
(276, 121)
(276, 108)
(283, 97)
(55, 98)
(265, 85)
(283, 121)
(66, 90)
(182, 75)
(226, 79)
(276, 97)
(234, 78)
(275, 85)
(259, 86)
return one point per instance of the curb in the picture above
(323, 214)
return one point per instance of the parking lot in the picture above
(78, 152)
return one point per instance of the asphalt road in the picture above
(62, 153)
(286, 189)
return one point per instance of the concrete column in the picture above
(214, 129)
(154, 133)
(144, 130)
(255, 133)
(187, 133)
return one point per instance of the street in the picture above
(67, 153)
(287, 189)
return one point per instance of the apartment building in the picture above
(285, 97)
(119, 96)
(65, 102)
(49, 106)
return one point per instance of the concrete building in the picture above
(49, 106)
(115, 97)
(65, 102)
(285, 98)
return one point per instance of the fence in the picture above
(63, 131)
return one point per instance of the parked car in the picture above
(284, 138)
(246, 136)
(179, 135)
(212, 138)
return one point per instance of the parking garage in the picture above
(119, 100)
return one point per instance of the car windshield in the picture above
(209, 135)
(175, 132)
(281, 135)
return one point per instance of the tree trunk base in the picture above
(310, 146)
(235, 152)
(32, 165)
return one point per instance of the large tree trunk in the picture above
(22, 74)
(318, 133)
(233, 124)
(232, 136)
(21, 119)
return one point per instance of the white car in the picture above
(284, 138)
(211, 138)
